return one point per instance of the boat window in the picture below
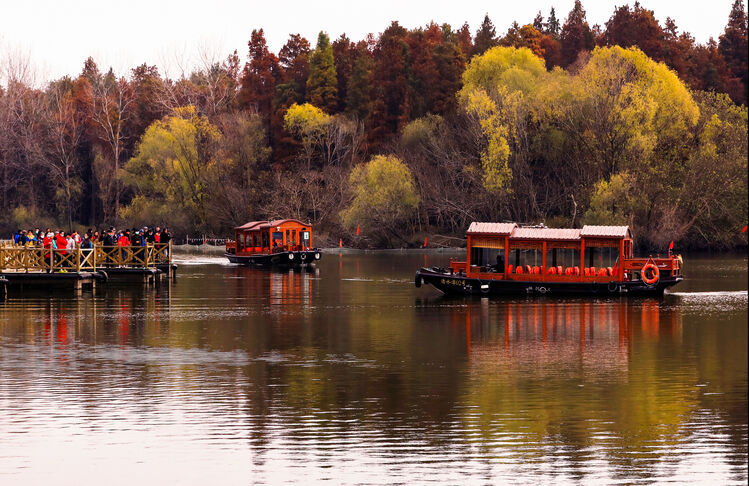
(490, 259)
(266, 242)
(601, 257)
(277, 238)
(524, 256)
(562, 257)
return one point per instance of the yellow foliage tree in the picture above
(384, 196)
(495, 87)
(170, 166)
(308, 123)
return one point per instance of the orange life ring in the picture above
(655, 273)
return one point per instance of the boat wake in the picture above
(723, 301)
(711, 295)
(200, 260)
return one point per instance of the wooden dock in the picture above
(40, 268)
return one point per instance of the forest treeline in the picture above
(412, 132)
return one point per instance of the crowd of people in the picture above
(61, 240)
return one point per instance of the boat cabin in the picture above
(268, 237)
(506, 251)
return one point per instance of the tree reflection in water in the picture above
(349, 365)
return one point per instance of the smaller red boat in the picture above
(285, 242)
(504, 258)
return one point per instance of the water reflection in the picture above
(272, 376)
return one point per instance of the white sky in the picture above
(58, 35)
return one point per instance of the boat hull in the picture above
(453, 284)
(284, 258)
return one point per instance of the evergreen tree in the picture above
(359, 87)
(576, 35)
(552, 24)
(512, 38)
(733, 44)
(294, 60)
(391, 100)
(486, 37)
(322, 84)
(343, 53)
(450, 62)
(538, 22)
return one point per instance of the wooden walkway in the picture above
(32, 266)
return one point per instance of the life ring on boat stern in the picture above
(317, 256)
(652, 270)
(291, 256)
(612, 286)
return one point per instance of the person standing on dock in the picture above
(108, 239)
(123, 241)
(164, 238)
(87, 243)
(61, 242)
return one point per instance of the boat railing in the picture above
(671, 264)
(231, 247)
(457, 266)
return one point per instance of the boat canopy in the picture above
(515, 232)
(261, 225)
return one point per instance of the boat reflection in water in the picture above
(546, 336)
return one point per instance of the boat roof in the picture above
(261, 225)
(591, 231)
(545, 234)
(516, 232)
(251, 225)
(502, 229)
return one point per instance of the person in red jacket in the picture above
(61, 242)
(123, 241)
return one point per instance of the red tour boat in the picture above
(504, 258)
(280, 242)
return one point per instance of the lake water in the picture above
(349, 374)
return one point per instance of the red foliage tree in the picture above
(576, 35)
(635, 27)
(259, 78)
(734, 47)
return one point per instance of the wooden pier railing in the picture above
(18, 259)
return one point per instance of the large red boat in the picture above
(504, 258)
(281, 242)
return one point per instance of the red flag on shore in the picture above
(671, 245)
(744, 230)
(357, 230)
(425, 242)
(340, 243)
